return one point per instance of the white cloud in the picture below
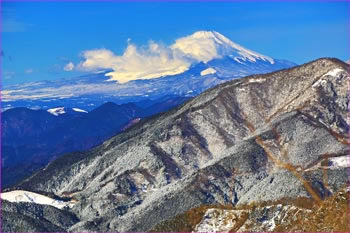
(153, 61)
(69, 67)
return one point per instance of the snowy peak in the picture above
(208, 45)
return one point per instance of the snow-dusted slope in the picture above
(26, 196)
(206, 151)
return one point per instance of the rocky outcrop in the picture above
(259, 138)
(284, 215)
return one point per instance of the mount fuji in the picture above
(207, 57)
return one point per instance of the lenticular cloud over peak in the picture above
(156, 60)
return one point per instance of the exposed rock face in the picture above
(259, 138)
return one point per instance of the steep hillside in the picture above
(260, 138)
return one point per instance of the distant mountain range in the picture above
(91, 90)
(32, 138)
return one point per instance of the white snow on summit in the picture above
(26, 196)
(57, 111)
(208, 71)
(207, 45)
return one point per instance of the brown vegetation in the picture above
(329, 215)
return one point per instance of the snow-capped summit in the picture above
(207, 45)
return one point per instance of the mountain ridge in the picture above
(236, 143)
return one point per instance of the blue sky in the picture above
(40, 38)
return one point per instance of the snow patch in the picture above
(318, 83)
(334, 72)
(259, 80)
(333, 163)
(26, 196)
(79, 110)
(57, 111)
(339, 162)
(208, 71)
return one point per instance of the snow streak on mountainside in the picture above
(188, 67)
(79, 110)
